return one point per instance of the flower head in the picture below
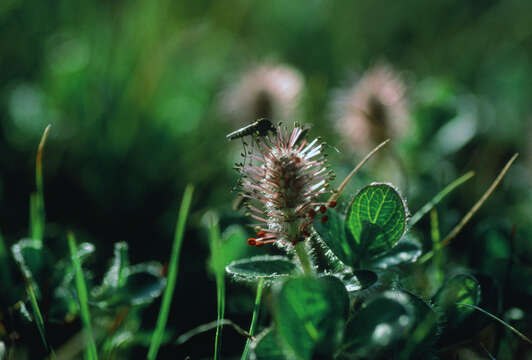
(373, 110)
(268, 90)
(281, 183)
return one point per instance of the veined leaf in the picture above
(310, 315)
(376, 219)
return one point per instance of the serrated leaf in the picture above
(407, 250)
(463, 289)
(266, 347)
(376, 219)
(380, 325)
(332, 232)
(268, 267)
(310, 315)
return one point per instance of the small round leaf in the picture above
(376, 220)
(310, 315)
(332, 232)
(376, 329)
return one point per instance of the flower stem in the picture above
(304, 259)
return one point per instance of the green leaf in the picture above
(310, 315)
(143, 283)
(90, 352)
(358, 279)
(379, 326)
(332, 233)
(266, 347)
(463, 289)
(28, 256)
(268, 267)
(173, 267)
(117, 273)
(65, 305)
(376, 219)
(424, 330)
(407, 250)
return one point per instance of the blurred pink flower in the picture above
(372, 110)
(269, 90)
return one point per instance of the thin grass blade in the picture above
(37, 316)
(510, 327)
(37, 213)
(254, 318)
(439, 197)
(479, 203)
(173, 269)
(90, 352)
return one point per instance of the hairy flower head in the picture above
(281, 183)
(374, 109)
(269, 90)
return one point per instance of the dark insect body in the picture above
(257, 128)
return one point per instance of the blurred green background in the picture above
(134, 91)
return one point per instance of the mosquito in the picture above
(257, 128)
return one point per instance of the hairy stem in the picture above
(303, 257)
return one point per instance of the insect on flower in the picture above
(282, 185)
(260, 127)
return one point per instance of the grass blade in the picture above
(37, 213)
(510, 327)
(439, 197)
(479, 203)
(344, 183)
(37, 316)
(81, 287)
(471, 212)
(183, 338)
(173, 269)
(435, 236)
(254, 318)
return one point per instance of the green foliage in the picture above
(463, 289)
(136, 117)
(332, 233)
(377, 328)
(407, 250)
(28, 254)
(266, 347)
(310, 315)
(358, 279)
(376, 219)
(91, 352)
(257, 267)
(172, 273)
(254, 318)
